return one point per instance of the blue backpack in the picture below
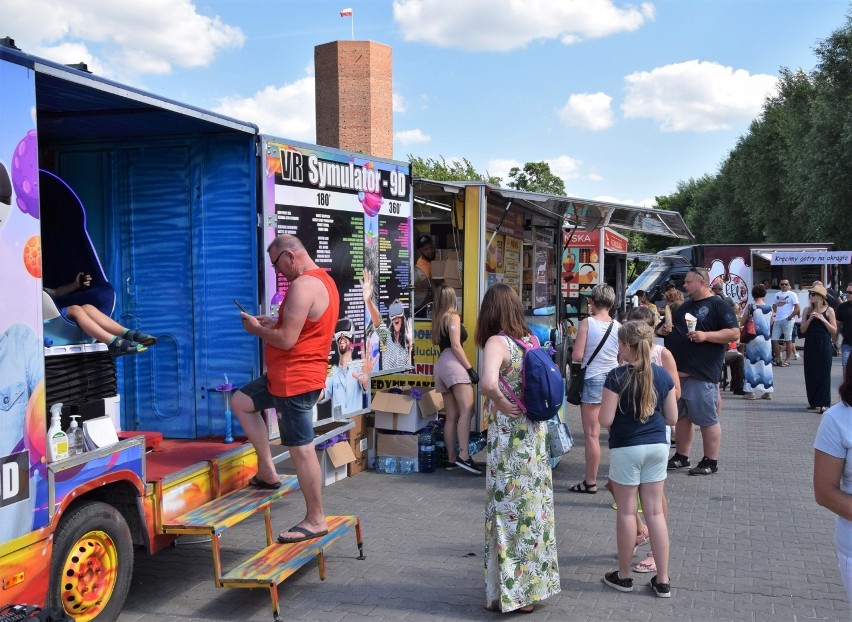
(543, 385)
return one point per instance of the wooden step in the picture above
(219, 514)
(278, 561)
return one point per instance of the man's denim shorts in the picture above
(295, 413)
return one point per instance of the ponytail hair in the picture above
(638, 337)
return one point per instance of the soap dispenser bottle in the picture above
(75, 437)
(57, 440)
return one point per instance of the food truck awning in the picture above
(573, 212)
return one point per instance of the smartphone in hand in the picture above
(242, 308)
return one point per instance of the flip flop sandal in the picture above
(256, 482)
(584, 487)
(645, 565)
(307, 534)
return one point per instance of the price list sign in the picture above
(352, 213)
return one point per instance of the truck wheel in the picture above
(92, 563)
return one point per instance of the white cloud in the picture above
(411, 137)
(486, 25)
(591, 111)
(696, 96)
(565, 166)
(500, 167)
(398, 103)
(130, 38)
(594, 177)
(286, 111)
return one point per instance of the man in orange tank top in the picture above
(297, 347)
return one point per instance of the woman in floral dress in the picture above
(521, 567)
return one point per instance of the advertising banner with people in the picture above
(353, 214)
(22, 443)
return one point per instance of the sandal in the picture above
(646, 565)
(749, 396)
(139, 337)
(584, 487)
(120, 347)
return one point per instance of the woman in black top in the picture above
(453, 378)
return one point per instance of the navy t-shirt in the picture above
(700, 360)
(626, 430)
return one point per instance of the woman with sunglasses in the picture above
(819, 328)
(394, 340)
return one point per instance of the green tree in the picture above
(441, 170)
(536, 177)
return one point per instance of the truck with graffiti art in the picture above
(169, 209)
(738, 267)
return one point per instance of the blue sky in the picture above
(622, 99)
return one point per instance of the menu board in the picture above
(353, 215)
(512, 263)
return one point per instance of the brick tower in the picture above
(354, 96)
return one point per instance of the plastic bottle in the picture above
(426, 451)
(57, 440)
(440, 454)
(76, 444)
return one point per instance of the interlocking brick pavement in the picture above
(748, 543)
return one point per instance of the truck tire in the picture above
(92, 563)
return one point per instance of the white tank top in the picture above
(607, 358)
(657, 354)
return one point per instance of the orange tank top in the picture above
(304, 367)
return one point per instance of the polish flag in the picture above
(346, 13)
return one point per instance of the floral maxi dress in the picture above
(521, 565)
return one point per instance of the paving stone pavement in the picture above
(748, 543)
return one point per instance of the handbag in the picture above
(574, 391)
(559, 439)
(749, 330)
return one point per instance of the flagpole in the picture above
(352, 19)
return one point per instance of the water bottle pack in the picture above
(394, 465)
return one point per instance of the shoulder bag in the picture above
(749, 330)
(578, 373)
(559, 439)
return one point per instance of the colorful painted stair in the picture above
(219, 514)
(276, 562)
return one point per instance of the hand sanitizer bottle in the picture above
(57, 440)
(75, 437)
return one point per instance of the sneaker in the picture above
(468, 466)
(451, 466)
(677, 461)
(796, 356)
(663, 590)
(705, 467)
(614, 581)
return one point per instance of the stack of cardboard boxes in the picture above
(448, 269)
(400, 415)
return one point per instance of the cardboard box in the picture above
(403, 413)
(358, 441)
(333, 462)
(446, 269)
(404, 445)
